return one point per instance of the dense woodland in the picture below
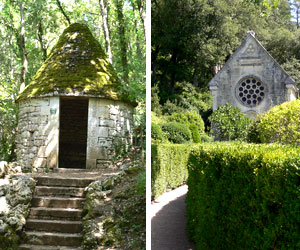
(29, 29)
(191, 38)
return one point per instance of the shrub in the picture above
(168, 167)
(244, 196)
(253, 135)
(188, 118)
(281, 124)
(229, 123)
(156, 132)
(206, 138)
(177, 132)
(195, 133)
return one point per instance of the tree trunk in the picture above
(106, 30)
(173, 72)
(123, 43)
(195, 78)
(23, 48)
(63, 12)
(142, 14)
(40, 37)
(138, 42)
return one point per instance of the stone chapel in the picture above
(252, 80)
(74, 108)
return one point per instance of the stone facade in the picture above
(252, 80)
(108, 122)
(38, 131)
(37, 143)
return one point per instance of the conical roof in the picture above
(77, 65)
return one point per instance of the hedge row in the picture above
(244, 196)
(168, 167)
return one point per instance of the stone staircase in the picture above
(54, 222)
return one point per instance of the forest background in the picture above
(192, 39)
(29, 29)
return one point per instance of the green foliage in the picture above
(195, 133)
(253, 135)
(168, 167)
(8, 121)
(189, 98)
(177, 132)
(188, 118)
(292, 67)
(229, 123)
(141, 182)
(157, 119)
(244, 196)
(155, 106)
(206, 138)
(281, 124)
(156, 132)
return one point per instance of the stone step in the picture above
(57, 202)
(59, 191)
(39, 247)
(74, 170)
(63, 181)
(59, 226)
(55, 213)
(53, 239)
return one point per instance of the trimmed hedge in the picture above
(168, 167)
(244, 196)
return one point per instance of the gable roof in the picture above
(251, 36)
(77, 65)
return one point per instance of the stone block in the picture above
(102, 132)
(39, 162)
(106, 123)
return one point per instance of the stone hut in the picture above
(252, 80)
(75, 108)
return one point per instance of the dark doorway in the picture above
(73, 132)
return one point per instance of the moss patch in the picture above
(76, 65)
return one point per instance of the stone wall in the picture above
(108, 122)
(37, 135)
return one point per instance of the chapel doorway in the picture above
(73, 132)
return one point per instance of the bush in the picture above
(281, 124)
(253, 135)
(206, 138)
(229, 123)
(156, 132)
(177, 132)
(168, 167)
(244, 196)
(188, 118)
(195, 133)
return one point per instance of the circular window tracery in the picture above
(250, 91)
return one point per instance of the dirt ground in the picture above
(168, 222)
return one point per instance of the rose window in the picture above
(250, 91)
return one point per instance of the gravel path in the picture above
(168, 222)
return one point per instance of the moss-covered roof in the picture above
(76, 65)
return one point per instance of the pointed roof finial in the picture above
(251, 32)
